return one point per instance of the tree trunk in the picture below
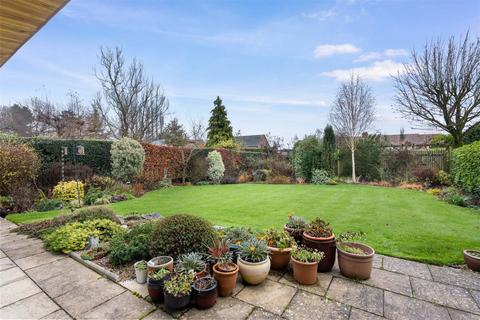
(457, 139)
(354, 177)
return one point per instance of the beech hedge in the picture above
(466, 167)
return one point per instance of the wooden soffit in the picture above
(20, 20)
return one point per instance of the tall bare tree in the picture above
(353, 113)
(198, 130)
(440, 88)
(131, 104)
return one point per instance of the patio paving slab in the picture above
(57, 315)
(17, 244)
(260, 314)
(11, 275)
(458, 277)
(305, 305)
(357, 295)
(320, 288)
(377, 261)
(476, 296)
(134, 286)
(447, 295)
(33, 307)
(390, 281)
(17, 290)
(399, 307)
(462, 315)
(123, 306)
(225, 309)
(410, 268)
(270, 295)
(26, 251)
(357, 314)
(275, 275)
(38, 260)
(158, 315)
(81, 300)
(68, 280)
(6, 263)
(51, 270)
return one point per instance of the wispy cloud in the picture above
(321, 15)
(326, 50)
(376, 55)
(378, 71)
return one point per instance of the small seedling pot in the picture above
(204, 298)
(254, 272)
(472, 261)
(279, 258)
(227, 280)
(155, 289)
(140, 274)
(305, 272)
(356, 266)
(325, 245)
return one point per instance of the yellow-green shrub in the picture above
(434, 191)
(67, 190)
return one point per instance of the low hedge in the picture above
(466, 167)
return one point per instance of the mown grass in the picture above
(402, 223)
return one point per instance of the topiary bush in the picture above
(132, 245)
(128, 158)
(216, 169)
(69, 190)
(179, 234)
(466, 167)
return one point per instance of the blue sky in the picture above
(276, 64)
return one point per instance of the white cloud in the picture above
(321, 15)
(375, 55)
(378, 71)
(326, 50)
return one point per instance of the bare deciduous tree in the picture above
(440, 88)
(198, 130)
(353, 113)
(131, 104)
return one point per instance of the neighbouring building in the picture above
(410, 141)
(258, 141)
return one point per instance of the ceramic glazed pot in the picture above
(204, 298)
(472, 262)
(155, 289)
(227, 281)
(176, 303)
(305, 272)
(295, 233)
(325, 245)
(140, 274)
(254, 272)
(356, 266)
(160, 262)
(279, 258)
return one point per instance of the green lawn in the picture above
(403, 223)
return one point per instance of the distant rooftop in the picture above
(252, 141)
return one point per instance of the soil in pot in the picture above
(472, 259)
(325, 245)
(279, 258)
(355, 260)
(253, 272)
(160, 262)
(295, 233)
(155, 289)
(305, 272)
(205, 292)
(176, 303)
(227, 280)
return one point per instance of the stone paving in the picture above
(35, 284)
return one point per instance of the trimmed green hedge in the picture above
(466, 167)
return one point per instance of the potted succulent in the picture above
(280, 244)
(140, 271)
(205, 292)
(224, 270)
(305, 264)
(253, 261)
(295, 226)
(191, 262)
(318, 235)
(472, 259)
(160, 262)
(156, 283)
(235, 237)
(177, 291)
(355, 259)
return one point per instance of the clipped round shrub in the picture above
(216, 168)
(128, 158)
(132, 245)
(69, 190)
(466, 167)
(179, 234)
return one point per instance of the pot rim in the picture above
(151, 263)
(306, 235)
(277, 250)
(304, 263)
(217, 269)
(292, 229)
(136, 263)
(357, 255)
(467, 252)
(253, 263)
(208, 289)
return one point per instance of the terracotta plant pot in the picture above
(254, 272)
(325, 245)
(176, 303)
(305, 272)
(227, 280)
(472, 262)
(295, 233)
(155, 289)
(160, 262)
(279, 258)
(356, 266)
(204, 298)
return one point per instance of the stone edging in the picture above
(95, 267)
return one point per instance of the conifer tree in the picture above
(219, 128)
(329, 150)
